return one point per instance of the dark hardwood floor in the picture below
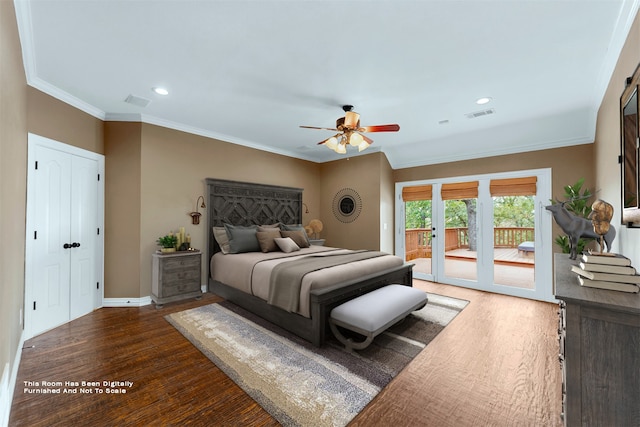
(495, 364)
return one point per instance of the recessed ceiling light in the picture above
(482, 101)
(160, 91)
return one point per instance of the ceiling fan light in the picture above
(331, 143)
(363, 145)
(341, 149)
(355, 139)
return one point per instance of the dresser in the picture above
(599, 335)
(175, 276)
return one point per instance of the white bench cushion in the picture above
(372, 313)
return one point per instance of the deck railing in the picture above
(418, 240)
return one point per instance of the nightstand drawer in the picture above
(182, 287)
(169, 277)
(181, 263)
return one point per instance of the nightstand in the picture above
(175, 276)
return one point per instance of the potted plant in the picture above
(168, 243)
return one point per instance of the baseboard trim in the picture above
(126, 302)
(8, 384)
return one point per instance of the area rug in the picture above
(297, 383)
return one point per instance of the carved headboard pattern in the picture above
(243, 203)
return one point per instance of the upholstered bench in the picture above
(372, 313)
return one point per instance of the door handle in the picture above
(66, 246)
(75, 245)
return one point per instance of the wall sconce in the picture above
(306, 209)
(195, 216)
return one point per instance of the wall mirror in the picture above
(629, 151)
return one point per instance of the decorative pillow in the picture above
(286, 244)
(297, 236)
(220, 234)
(276, 225)
(266, 239)
(295, 227)
(242, 239)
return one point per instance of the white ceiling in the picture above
(251, 72)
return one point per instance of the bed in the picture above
(233, 276)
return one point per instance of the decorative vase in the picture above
(167, 250)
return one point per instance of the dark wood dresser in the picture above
(175, 276)
(599, 334)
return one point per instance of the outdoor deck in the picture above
(511, 267)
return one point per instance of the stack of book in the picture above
(604, 271)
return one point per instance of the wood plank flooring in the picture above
(495, 364)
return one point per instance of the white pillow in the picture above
(286, 244)
(220, 234)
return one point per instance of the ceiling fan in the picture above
(350, 132)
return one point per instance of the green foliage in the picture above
(577, 203)
(508, 211)
(168, 241)
(418, 214)
(513, 211)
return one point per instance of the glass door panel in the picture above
(514, 241)
(460, 239)
(418, 237)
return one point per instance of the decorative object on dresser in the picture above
(179, 241)
(599, 336)
(176, 276)
(573, 216)
(595, 271)
(313, 230)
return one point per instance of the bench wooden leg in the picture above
(349, 343)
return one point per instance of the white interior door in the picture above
(83, 234)
(51, 260)
(64, 246)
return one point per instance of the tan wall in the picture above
(61, 122)
(13, 160)
(173, 169)
(122, 144)
(363, 175)
(567, 165)
(607, 146)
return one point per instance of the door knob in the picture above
(75, 245)
(66, 246)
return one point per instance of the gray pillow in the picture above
(242, 239)
(296, 227)
(286, 244)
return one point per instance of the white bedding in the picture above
(250, 272)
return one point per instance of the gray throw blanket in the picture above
(286, 278)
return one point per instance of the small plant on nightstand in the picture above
(168, 243)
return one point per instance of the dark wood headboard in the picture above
(245, 203)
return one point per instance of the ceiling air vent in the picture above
(480, 113)
(137, 100)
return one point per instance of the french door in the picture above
(488, 232)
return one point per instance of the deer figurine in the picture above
(576, 227)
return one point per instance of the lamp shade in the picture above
(355, 139)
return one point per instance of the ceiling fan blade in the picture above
(366, 138)
(351, 119)
(380, 128)
(315, 127)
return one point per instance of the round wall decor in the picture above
(347, 205)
